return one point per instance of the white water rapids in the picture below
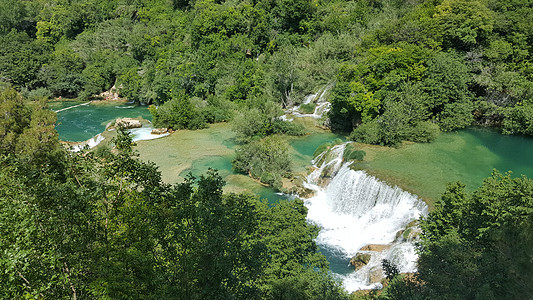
(355, 210)
(322, 105)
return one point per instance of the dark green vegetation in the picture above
(267, 160)
(102, 225)
(475, 245)
(404, 70)
(440, 66)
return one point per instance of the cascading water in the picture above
(90, 143)
(322, 105)
(355, 210)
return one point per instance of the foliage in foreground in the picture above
(103, 225)
(475, 245)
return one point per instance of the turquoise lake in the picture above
(83, 122)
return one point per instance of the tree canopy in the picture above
(102, 224)
(475, 245)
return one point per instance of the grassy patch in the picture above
(307, 108)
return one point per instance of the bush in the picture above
(178, 113)
(351, 153)
(321, 149)
(37, 93)
(267, 160)
(369, 133)
(307, 108)
(288, 128)
(422, 132)
(518, 120)
(456, 116)
(376, 132)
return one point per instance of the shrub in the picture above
(266, 159)
(422, 132)
(288, 128)
(321, 149)
(178, 113)
(518, 120)
(307, 108)
(37, 93)
(369, 133)
(351, 153)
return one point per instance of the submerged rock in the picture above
(375, 247)
(360, 260)
(375, 274)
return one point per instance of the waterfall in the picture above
(319, 98)
(91, 143)
(355, 210)
(145, 133)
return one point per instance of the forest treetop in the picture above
(403, 70)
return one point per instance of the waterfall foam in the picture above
(145, 133)
(355, 210)
(91, 143)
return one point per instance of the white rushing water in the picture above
(319, 98)
(355, 210)
(137, 134)
(90, 143)
(145, 133)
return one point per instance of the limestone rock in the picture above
(112, 94)
(159, 131)
(375, 247)
(128, 123)
(360, 260)
(376, 274)
(410, 234)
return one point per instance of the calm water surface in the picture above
(468, 156)
(83, 122)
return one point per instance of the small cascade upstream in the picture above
(319, 98)
(90, 143)
(355, 210)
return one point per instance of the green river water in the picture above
(83, 122)
(424, 169)
(468, 156)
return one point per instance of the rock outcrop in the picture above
(159, 131)
(112, 94)
(128, 123)
(360, 260)
(376, 274)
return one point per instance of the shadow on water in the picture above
(338, 262)
(515, 152)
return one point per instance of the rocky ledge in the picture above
(128, 123)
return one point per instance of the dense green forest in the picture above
(402, 70)
(103, 225)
